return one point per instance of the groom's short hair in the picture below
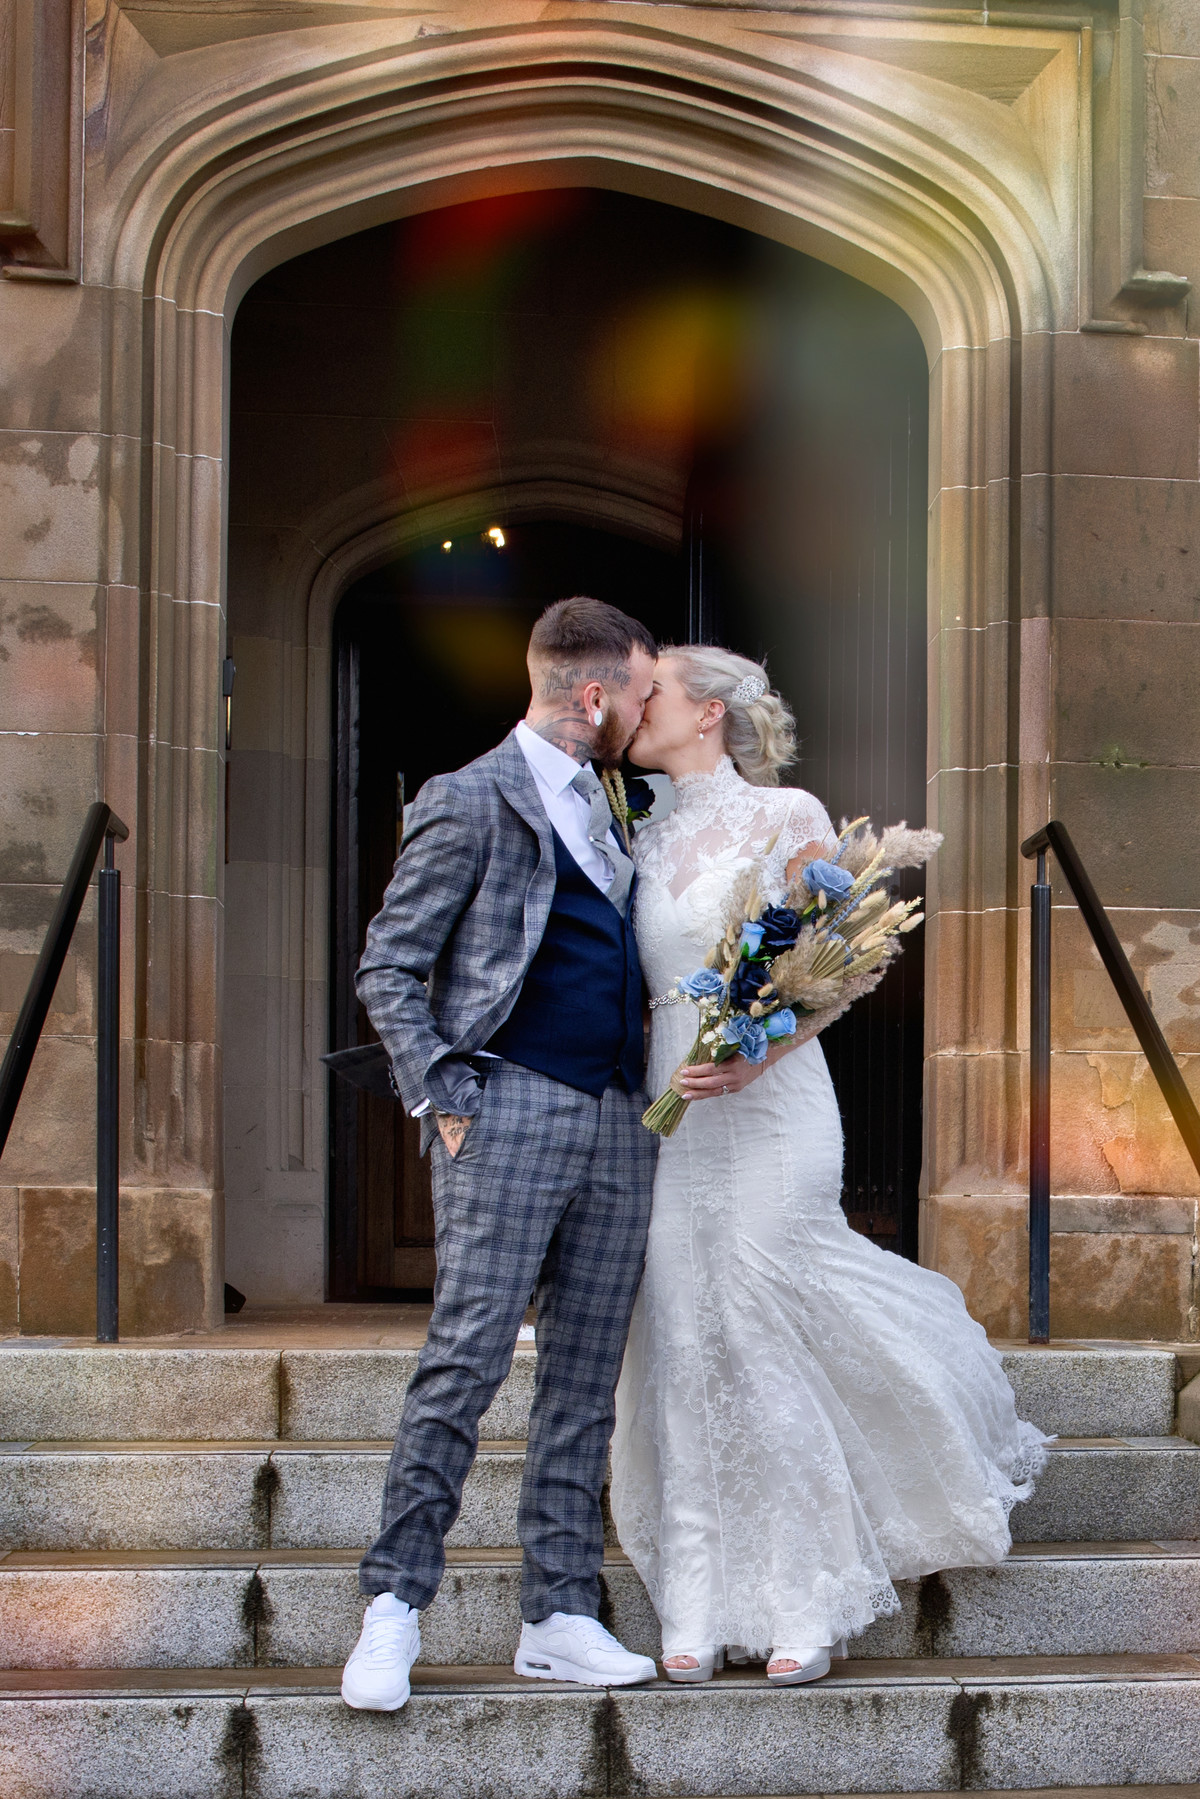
(587, 634)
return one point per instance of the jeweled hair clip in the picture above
(750, 687)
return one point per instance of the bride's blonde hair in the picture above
(760, 734)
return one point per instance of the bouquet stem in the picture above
(664, 1116)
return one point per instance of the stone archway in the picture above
(981, 260)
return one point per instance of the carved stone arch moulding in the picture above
(978, 267)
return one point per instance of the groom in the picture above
(502, 976)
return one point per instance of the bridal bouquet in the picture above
(827, 943)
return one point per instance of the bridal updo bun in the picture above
(760, 732)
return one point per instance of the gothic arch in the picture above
(981, 262)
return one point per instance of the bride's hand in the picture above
(711, 1080)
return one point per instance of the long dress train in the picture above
(802, 1417)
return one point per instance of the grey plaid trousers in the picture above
(549, 1196)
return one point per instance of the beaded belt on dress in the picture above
(667, 999)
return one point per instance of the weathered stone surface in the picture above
(358, 1393)
(141, 1617)
(113, 1746)
(1099, 377)
(534, 1744)
(1094, 1392)
(330, 1498)
(137, 1395)
(1115, 1492)
(1108, 1728)
(101, 1498)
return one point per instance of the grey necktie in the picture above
(600, 825)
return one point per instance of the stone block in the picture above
(982, 1244)
(133, 1617)
(740, 1736)
(1171, 232)
(310, 1614)
(1172, 142)
(1110, 1285)
(167, 1260)
(1125, 690)
(1108, 1729)
(101, 1497)
(968, 1013)
(330, 1498)
(1131, 1490)
(9, 1259)
(1125, 406)
(541, 1744)
(111, 1393)
(1126, 549)
(1132, 829)
(1103, 1603)
(970, 806)
(1172, 28)
(1094, 1392)
(49, 673)
(1106, 1284)
(110, 1745)
(340, 1394)
(1163, 948)
(51, 506)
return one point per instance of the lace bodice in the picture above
(687, 863)
(720, 821)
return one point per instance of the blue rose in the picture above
(748, 1034)
(639, 797)
(836, 881)
(752, 935)
(780, 929)
(700, 985)
(780, 1024)
(745, 982)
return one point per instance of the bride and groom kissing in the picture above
(797, 1418)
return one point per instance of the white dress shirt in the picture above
(567, 810)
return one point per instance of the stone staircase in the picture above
(179, 1536)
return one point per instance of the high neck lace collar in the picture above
(703, 787)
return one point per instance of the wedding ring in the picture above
(724, 1090)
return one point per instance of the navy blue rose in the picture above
(639, 797)
(780, 929)
(745, 982)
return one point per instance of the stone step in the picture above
(126, 1393)
(480, 1733)
(272, 1495)
(294, 1608)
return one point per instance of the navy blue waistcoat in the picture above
(578, 1016)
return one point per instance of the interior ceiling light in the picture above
(496, 536)
(448, 545)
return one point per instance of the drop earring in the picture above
(702, 733)
(597, 718)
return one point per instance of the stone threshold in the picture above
(974, 1671)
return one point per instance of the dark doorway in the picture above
(430, 672)
(682, 370)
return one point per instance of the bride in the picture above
(802, 1417)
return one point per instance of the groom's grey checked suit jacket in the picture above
(548, 1195)
(461, 921)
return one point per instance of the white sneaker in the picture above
(375, 1678)
(570, 1646)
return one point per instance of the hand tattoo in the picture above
(454, 1128)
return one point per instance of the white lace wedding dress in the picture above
(802, 1417)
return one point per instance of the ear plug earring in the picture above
(597, 718)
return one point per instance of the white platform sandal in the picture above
(708, 1662)
(810, 1664)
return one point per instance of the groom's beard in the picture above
(612, 740)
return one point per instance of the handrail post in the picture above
(108, 1083)
(1039, 1105)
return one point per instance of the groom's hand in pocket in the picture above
(453, 1128)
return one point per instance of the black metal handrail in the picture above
(100, 827)
(1055, 837)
